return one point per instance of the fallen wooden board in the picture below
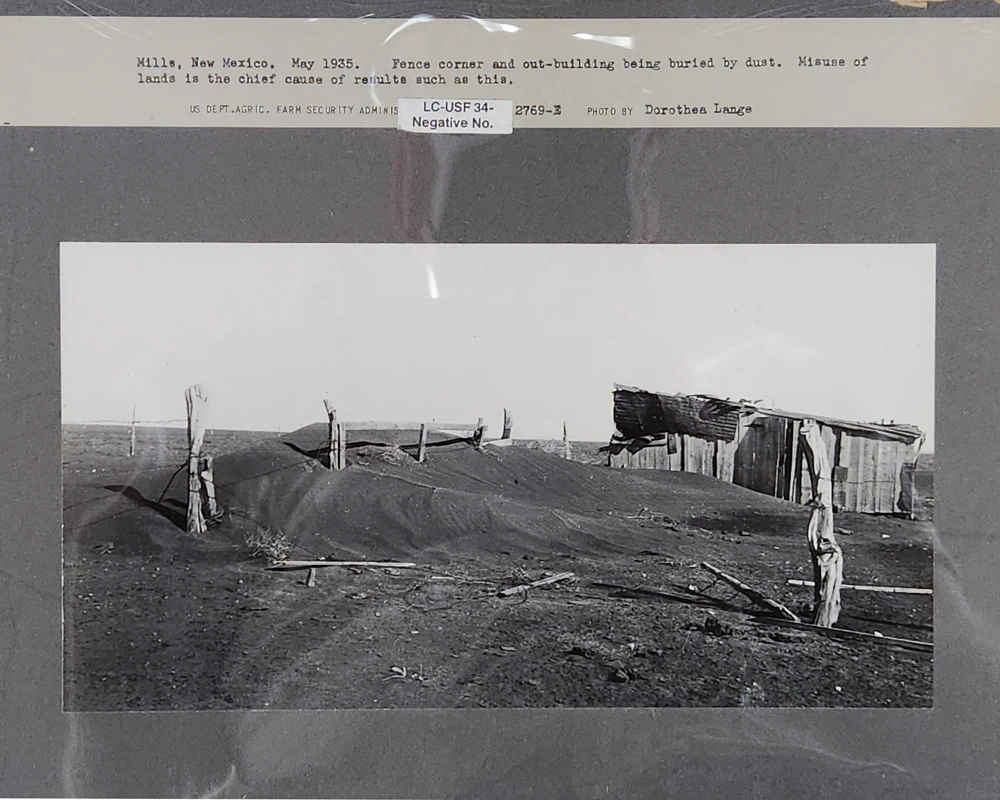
(639, 591)
(753, 594)
(314, 564)
(834, 633)
(862, 588)
(560, 576)
(841, 633)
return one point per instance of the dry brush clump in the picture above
(268, 543)
(388, 454)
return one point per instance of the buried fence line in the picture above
(202, 493)
(337, 433)
(131, 425)
(128, 422)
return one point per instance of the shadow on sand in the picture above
(130, 492)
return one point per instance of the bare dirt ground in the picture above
(156, 619)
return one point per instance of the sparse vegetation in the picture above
(388, 454)
(268, 543)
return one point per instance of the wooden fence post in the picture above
(331, 415)
(208, 482)
(477, 437)
(422, 446)
(341, 443)
(507, 425)
(827, 557)
(131, 436)
(196, 398)
(566, 450)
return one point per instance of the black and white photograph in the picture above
(405, 476)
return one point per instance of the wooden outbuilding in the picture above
(758, 448)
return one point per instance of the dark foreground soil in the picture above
(156, 619)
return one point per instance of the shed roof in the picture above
(642, 413)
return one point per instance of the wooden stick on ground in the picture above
(561, 576)
(639, 591)
(863, 588)
(315, 564)
(842, 633)
(753, 594)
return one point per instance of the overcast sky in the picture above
(414, 332)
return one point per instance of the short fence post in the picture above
(477, 437)
(507, 425)
(341, 446)
(331, 415)
(208, 481)
(195, 398)
(422, 446)
(131, 436)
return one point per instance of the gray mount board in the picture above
(567, 186)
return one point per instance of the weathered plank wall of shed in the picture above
(651, 455)
(768, 459)
(725, 460)
(680, 453)
(873, 483)
(860, 455)
(761, 456)
(699, 456)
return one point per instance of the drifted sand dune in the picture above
(463, 500)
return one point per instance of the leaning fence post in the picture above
(422, 446)
(195, 398)
(477, 437)
(507, 425)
